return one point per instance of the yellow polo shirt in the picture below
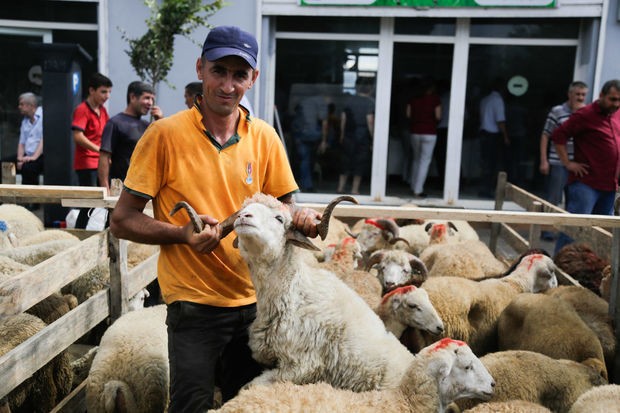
(175, 160)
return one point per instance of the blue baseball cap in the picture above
(225, 41)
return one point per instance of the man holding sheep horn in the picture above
(212, 156)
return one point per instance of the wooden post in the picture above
(500, 195)
(534, 239)
(118, 273)
(8, 173)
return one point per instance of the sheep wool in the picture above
(443, 372)
(50, 384)
(20, 221)
(132, 360)
(310, 326)
(534, 377)
(547, 325)
(511, 406)
(600, 399)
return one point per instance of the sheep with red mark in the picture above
(409, 306)
(439, 374)
(397, 268)
(534, 377)
(310, 326)
(458, 230)
(383, 233)
(470, 309)
(550, 326)
(469, 259)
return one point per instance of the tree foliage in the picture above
(152, 54)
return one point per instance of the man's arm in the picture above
(579, 169)
(544, 146)
(103, 169)
(20, 155)
(504, 131)
(129, 222)
(80, 139)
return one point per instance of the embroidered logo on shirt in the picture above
(248, 171)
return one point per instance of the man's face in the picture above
(225, 81)
(189, 99)
(610, 102)
(101, 94)
(26, 108)
(577, 97)
(140, 105)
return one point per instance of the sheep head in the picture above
(543, 269)
(439, 232)
(459, 372)
(377, 231)
(396, 268)
(412, 307)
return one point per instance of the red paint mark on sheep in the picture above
(445, 342)
(348, 240)
(374, 223)
(400, 290)
(531, 259)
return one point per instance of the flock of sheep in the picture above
(417, 317)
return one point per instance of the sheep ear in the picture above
(236, 242)
(441, 364)
(300, 240)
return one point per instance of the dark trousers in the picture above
(31, 170)
(86, 177)
(208, 346)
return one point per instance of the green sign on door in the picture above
(433, 3)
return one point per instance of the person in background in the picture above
(212, 156)
(555, 173)
(494, 136)
(357, 124)
(29, 160)
(593, 173)
(89, 119)
(122, 132)
(424, 112)
(191, 90)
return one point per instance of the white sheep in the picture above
(20, 221)
(443, 372)
(470, 309)
(383, 233)
(534, 377)
(47, 235)
(600, 399)
(37, 253)
(310, 326)
(409, 306)
(47, 386)
(458, 230)
(510, 406)
(131, 365)
(397, 268)
(547, 325)
(469, 258)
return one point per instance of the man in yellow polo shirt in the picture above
(213, 156)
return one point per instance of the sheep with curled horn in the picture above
(396, 268)
(295, 236)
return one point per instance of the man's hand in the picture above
(579, 169)
(306, 220)
(208, 239)
(157, 113)
(544, 167)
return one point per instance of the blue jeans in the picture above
(583, 199)
(555, 183)
(206, 342)
(306, 152)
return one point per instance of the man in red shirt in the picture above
(89, 118)
(593, 173)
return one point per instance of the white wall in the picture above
(131, 16)
(611, 59)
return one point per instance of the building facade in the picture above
(322, 47)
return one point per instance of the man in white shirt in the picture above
(494, 137)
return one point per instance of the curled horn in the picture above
(352, 235)
(396, 239)
(227, 224)
(451, 225)
(374, 259)
(389, 226)
(428, 226)
(323, 226)
(418, 264)
(193, 215)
